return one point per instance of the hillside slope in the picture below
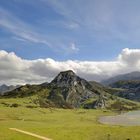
(68, 90)
(128, 76)
(131, 89)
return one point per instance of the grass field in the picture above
(59, 124)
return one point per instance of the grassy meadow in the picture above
(58, 124)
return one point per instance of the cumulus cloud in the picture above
(15, 70)
(130, 57)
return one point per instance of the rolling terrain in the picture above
(68, 90)
(130, 89)
(58, 124)
(66, 108)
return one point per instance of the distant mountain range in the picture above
(68, 90)
(128, 85)
(129, 76)
(4, 88)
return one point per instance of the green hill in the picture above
(68, 90)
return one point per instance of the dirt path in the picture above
(29, 133)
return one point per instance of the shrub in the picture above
(14, 105)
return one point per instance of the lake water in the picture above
(127, 119)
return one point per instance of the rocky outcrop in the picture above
(68, 88)
(130, 89)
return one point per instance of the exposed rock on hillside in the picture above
(131, 89)
(68, 90)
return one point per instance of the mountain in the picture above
(4, 88)
(126, 85)
(24, 91)
(68, 90)
(130, 89)
(129, 76)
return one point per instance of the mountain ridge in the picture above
(4, 88)
(135, 75)
(67, 90)
(131, 89)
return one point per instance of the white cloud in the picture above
(130, 57)
(15, 70)
(67, 24)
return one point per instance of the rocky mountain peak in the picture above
(68, 72)
(70, 89)
(68, 79)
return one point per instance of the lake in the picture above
(127, 119)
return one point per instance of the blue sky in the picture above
(97, 39)
(69, 30)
